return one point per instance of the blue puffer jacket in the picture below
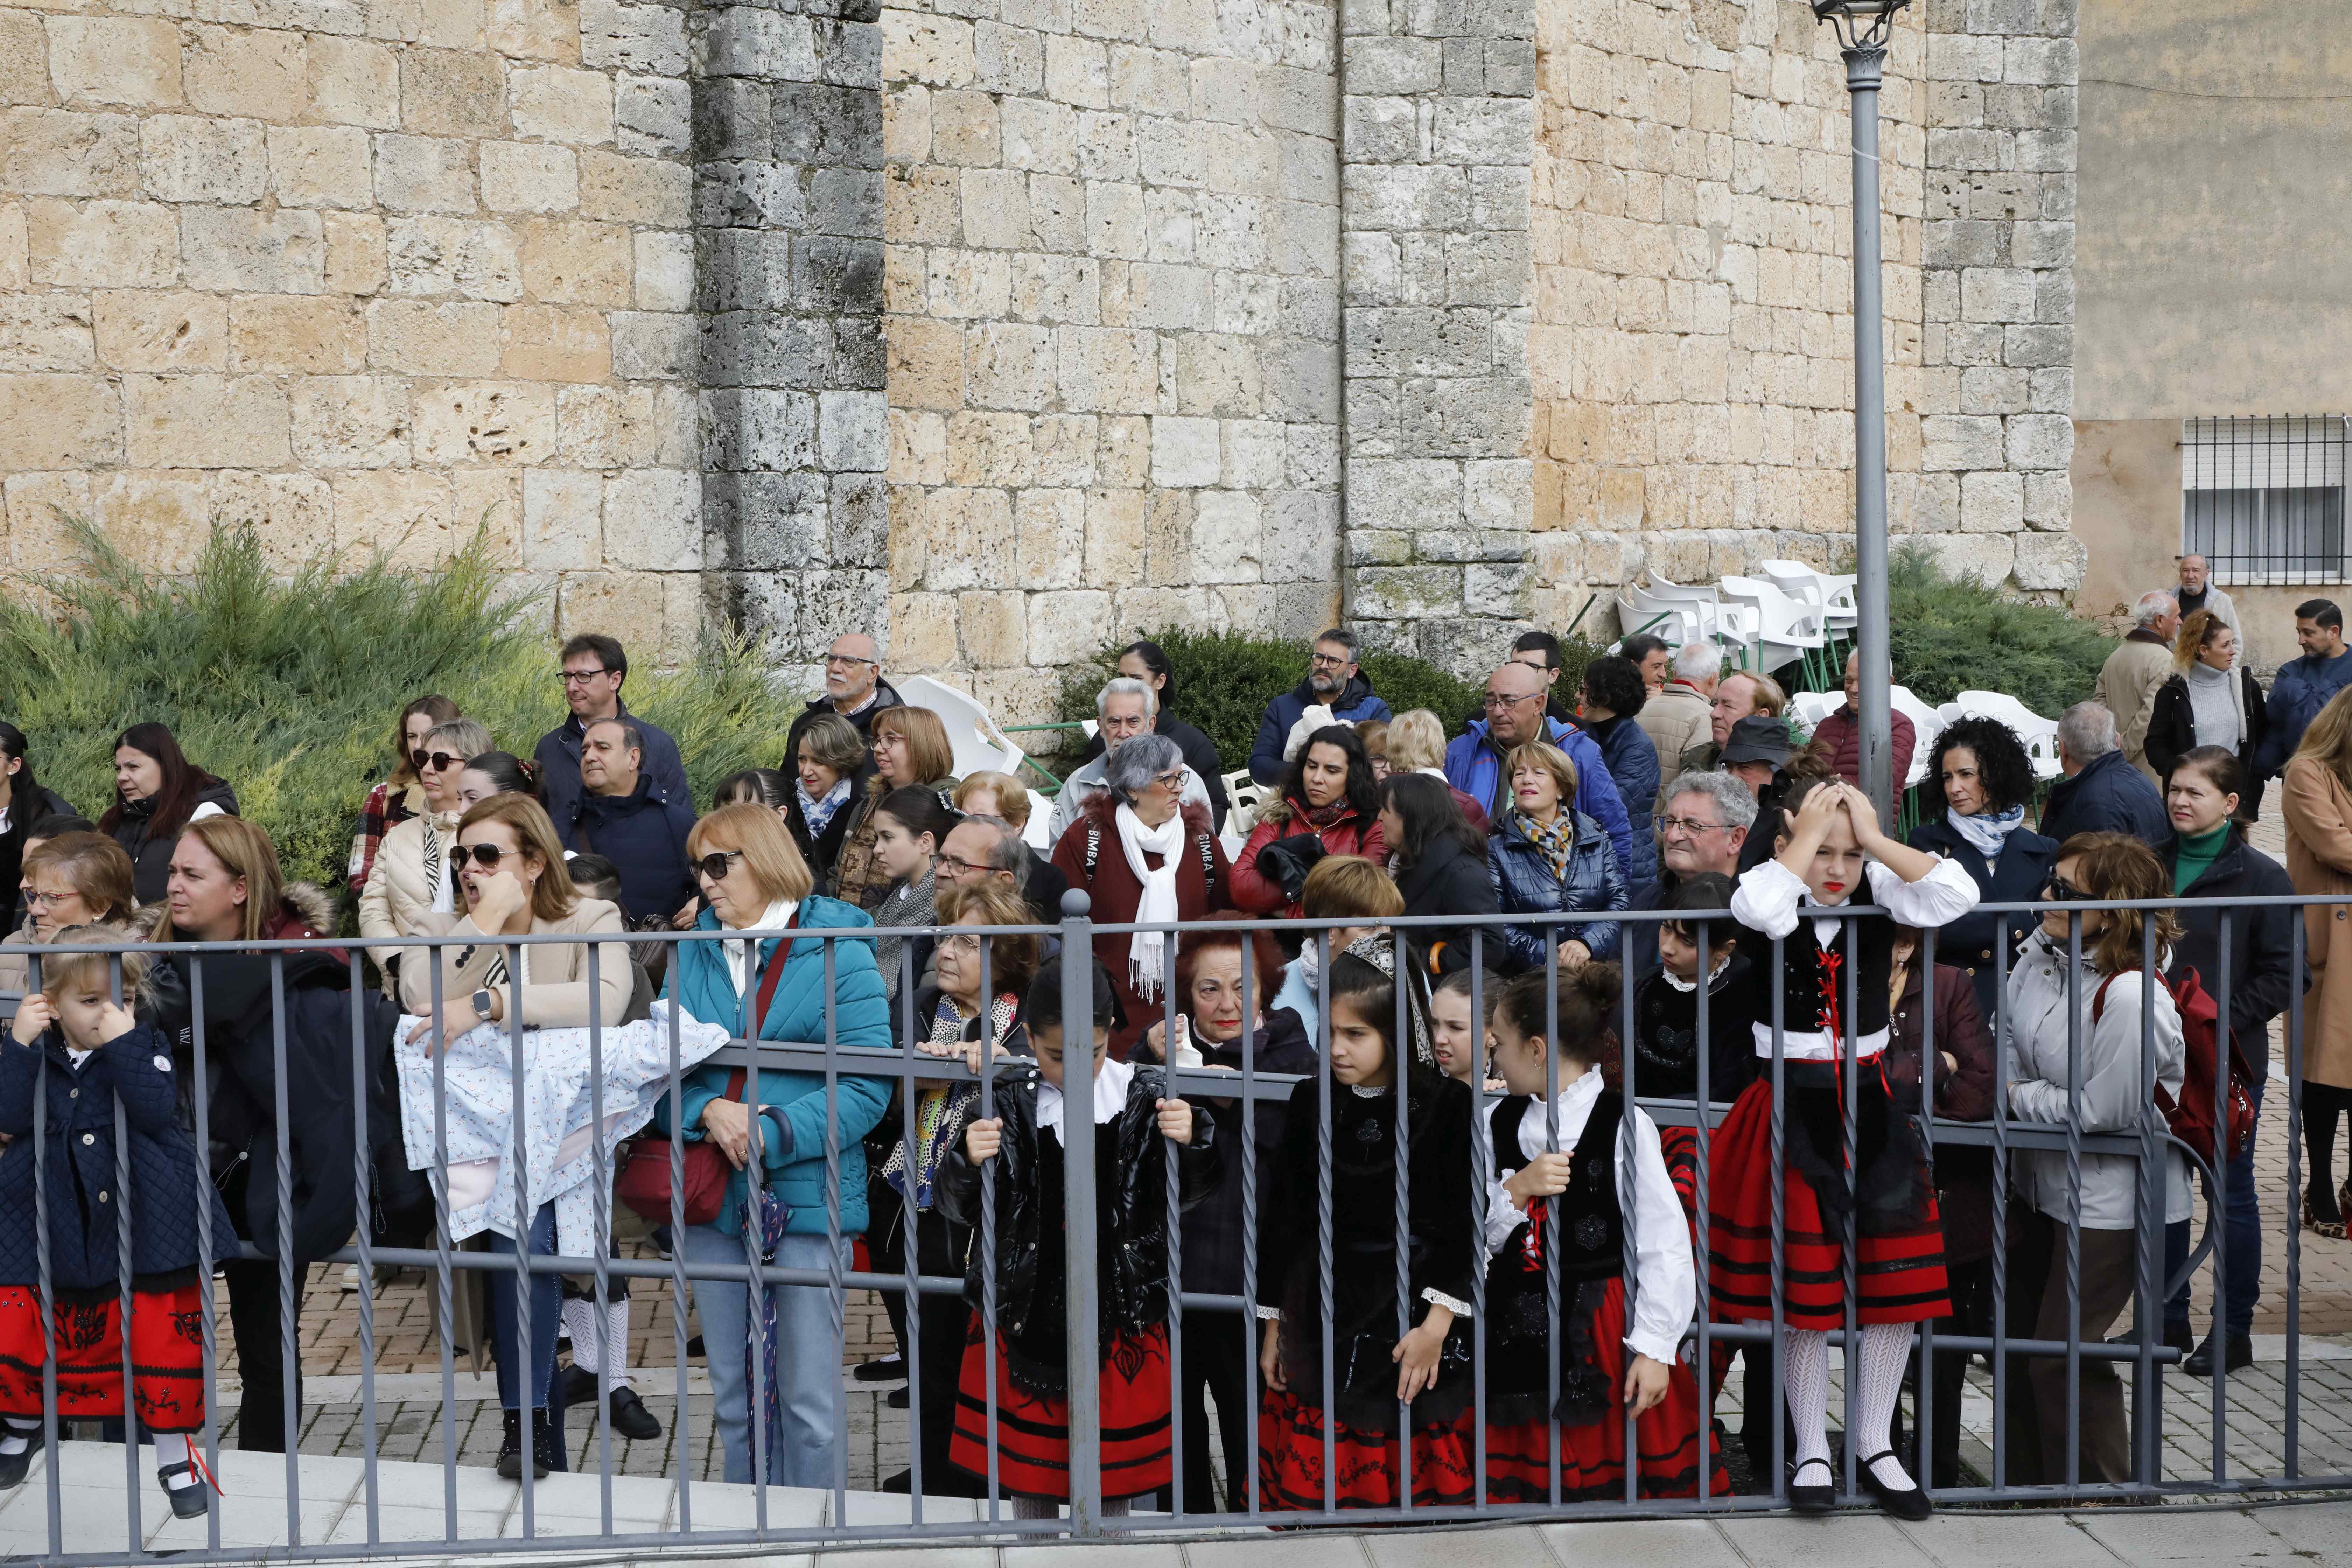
(1474, 764)
(78, 1159)
(1524, 885)
(1356, 703)
(1632, 760)
(701, 982)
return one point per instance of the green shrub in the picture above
(287, 686)
(1953, 633)
(1224, 680)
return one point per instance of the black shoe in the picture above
(2238, 1355)
(631, 1419)
(15, 1467)
(901, 1484)
(579, 1386)
(189, 1502)
(1908, 1502)
(882, 1369)
(694, 1349)
(1813, 1499)
(898, 1399)
(543, 1445)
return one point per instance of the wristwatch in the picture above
(482, 1004)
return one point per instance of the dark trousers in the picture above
(1217, 1351)
(940, 1249)
(257, 1330)
(2035, 1386)
(2241, 1261)
(1971, 1291)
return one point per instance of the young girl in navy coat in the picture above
(1833, 984)
(96, 1051)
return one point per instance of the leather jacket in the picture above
(1134, 1247)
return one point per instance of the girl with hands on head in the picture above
(1127, 1110)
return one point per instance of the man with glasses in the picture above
(631, 821)
(1514, 716)
(594, 667)
(1124, 709)
(1334, 692)
(983, 848)
(1703, 828)
(854, 688)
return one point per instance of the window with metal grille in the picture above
(2262, 499)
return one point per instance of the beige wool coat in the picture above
(555, 993)
(2319, 811)
(2127, 688)
(1676, 720)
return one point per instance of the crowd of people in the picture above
(1476, 993)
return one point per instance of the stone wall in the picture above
(365, 273)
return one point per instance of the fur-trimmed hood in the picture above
(308, 904)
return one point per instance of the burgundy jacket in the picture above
(1203, 883)
(1963, 1173)
(1837, 740)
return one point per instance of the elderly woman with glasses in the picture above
(1143, 853)
(411, 874)
(776, 987)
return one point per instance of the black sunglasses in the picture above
(714, 865)
(422, 760)
(2062, 890)
(486, 856)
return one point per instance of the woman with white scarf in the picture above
(411, 874)
(1973, 812)
(1143, 855)
(2213, 700)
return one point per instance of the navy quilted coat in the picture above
(1524, 885)
(84, 1193)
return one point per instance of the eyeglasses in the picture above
(960, 942)
(1690, 825)
(715, 865)
(958, 869)
(580, 676)
(850, 661)
(1173, 781)
(424, 761)
(1329, 660)
(1494, 702)
(486, 856)
(49, 901)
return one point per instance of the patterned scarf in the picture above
(1987, 831)
(939, 1113)
(1556, 840)
(818, 812)
(1321, 819)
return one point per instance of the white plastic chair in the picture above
(2040, 735)
(1811, 707)
(1927, 723)
(1244, 795)
(1786, 629)
(1041, 809)
(979, 746)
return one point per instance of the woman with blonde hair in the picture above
(412, 875)
(910, 750)
(513, 882)
(990, 793)
(75, 880)
(2213, 700)
(1545, 857)
(401, 796)
(2315, 799)
(1417, 745)
(776, 987)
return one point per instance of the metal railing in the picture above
(897, 1061)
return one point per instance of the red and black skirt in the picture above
(1364, 1462)
(1899, 1255)
(1033, 1425)
(167, 1357)
(1592, 1451)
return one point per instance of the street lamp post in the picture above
(1862, 27)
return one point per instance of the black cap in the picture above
(1757, 739)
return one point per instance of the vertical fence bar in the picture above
(124, 1302)
(47, 1301)
(910, 1217)
(201, 1088)
(1554, 1456)
(1629, 1198)
(1399, 1075)
(2153, 1198)
(2002, 1392)
(2294, 1184)
(680, 1293)
(988, 1214)
(1777, 1396)
(2218, 1340)
(836, 1286)
(755, 1259)
(1174, 1221)
(525, 1351)
(1482, 1158)
(445, 1266)
(600, 1177)
(1323, 1209)
(289, 1309)
(1922, 1448)
(1704, 1307)
(1246, 1486)
(362, 1172)
(1078, 1189)
(2074, 1200)
(1848, 1049)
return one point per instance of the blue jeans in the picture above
(546, 1317)
(2242, 1231)
(805, 1375)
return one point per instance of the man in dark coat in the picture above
(594, 667)
(1332, 682)
(629, 819)
(1706, 823)
(2304, 685)
(854, 688)
(2102, 791)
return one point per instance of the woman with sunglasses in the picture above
(2075, 1043)
(412, 873)
(1329, 796)
(513, 882)
(401, 795)
(776, 987)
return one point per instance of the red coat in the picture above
(1259, 895)
(1837, 740)
(1203, 883)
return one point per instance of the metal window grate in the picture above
(2262, 500)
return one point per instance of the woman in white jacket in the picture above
(2097, 1083)
(411, 877)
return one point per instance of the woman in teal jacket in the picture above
(754, 878)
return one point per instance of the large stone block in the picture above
(206, 421)
(57, 153)
(529, 177)
(59, 422)
(255, 73)
(1184, 452)
(321, 166)
(104, 244)
(133, 60)
(451, 92)
(145, 330)
(311, 334)
(350, 421)
(282, 252)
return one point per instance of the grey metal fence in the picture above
(2145, 1142)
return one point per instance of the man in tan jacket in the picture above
(2128, 681)
(1679, 716)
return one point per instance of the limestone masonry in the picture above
(1013, 326)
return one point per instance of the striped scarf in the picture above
(1556, 841)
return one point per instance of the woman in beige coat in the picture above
(409, 876)
(2316, 800)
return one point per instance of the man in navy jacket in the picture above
(2102, 791)
(1332, 682)
(2304, 685)
(632, 821)
(593, 668)
(1514, 715)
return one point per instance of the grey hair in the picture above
(1730, 796)
(1695, 661)
(1131, 770)
(1009, 852)
(2087, 730)
(2153, 607)
(1127, 686)
(468, 738)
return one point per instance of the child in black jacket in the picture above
(96, 1052)
(1130, 1113)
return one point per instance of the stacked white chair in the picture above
(2040, 735)
(1926, 722)
(1787, 630)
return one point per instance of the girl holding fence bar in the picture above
(1833, 984)
(96, 1052)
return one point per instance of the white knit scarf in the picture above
(1146, 951)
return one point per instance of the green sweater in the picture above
(2196, 854)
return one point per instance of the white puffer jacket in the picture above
(413, 860)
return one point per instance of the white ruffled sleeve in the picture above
(1665, 1280)
(1766, 898)
(1945, 894)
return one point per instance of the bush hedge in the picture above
(1954, 634)
(288, 684)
